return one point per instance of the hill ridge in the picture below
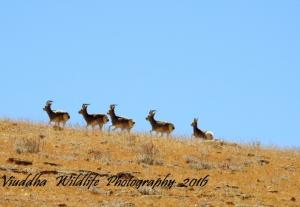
(235, 174)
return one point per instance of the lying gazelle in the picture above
(158, 126)
(56, 116)
(198, 133)
(93, 119)
(119, 122)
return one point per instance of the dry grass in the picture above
(148, 154)
(239, 175)
(27, 145)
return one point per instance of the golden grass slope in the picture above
(239, 175)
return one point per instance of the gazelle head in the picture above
(194, 123)
(48, 103)
(106, 119)
(150, 115)
(111, 109)
(83, 108)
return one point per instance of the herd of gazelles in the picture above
(93, 120)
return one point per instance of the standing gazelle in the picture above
(56, 116)
(198, 133)
(93, 119)
(119, 122)
(158, 126)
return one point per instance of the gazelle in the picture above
(93, 119)
(56, 116)
(198, 133)
(119, 122)
(159, 126)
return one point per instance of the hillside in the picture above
(225, 174)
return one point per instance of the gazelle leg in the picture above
(151, 132)
(86, 130)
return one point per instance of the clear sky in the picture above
(233, 64)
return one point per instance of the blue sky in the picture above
(233, 64)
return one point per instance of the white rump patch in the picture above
(59, 111)
(209, 132)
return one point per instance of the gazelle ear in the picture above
(49, 102)
(151, 111)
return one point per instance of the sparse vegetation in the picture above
(197, 164)
(116, 203)
(147, 191)
(27, 145)
(239, 174)
(147, 154)
(96, 155)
